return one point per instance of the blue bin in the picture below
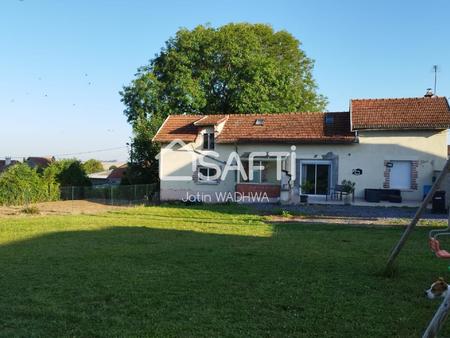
(426, 190)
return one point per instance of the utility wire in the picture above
(73, 154)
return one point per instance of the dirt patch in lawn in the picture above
(60, 208)
(356, 221)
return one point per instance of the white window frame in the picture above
(256, 165)
(208, 180)
(210, 141)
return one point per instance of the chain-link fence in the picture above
(113, 195)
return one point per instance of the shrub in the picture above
(348, 186)
(21, 184)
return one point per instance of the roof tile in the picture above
(179, 127)
(290, 127)
(404, 113)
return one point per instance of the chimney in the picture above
(7, 161)
(429, 93)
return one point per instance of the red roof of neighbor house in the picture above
(40, 161)
(118, 173)
(290, 127)
(407, 113)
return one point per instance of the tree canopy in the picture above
(69, 172)
(236, 68)
(92, 166)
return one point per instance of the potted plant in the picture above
(306, 186)
(348, 188)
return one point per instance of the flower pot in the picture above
(347, 199)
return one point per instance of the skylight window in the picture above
(259, 122)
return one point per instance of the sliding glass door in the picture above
(318, 176)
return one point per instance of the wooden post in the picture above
(439, 318)
(398, 247)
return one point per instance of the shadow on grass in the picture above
(140, 281)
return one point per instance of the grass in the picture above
(207, 271)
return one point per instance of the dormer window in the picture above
(208, 141)
(259, 122)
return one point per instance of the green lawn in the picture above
(207, 271)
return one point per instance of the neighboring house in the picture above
(108, 177)
(6, 163)
(99, 178)
(107, 165)
(117, 174)
(378, 143)
(39, 162)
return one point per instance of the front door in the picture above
(318, 175)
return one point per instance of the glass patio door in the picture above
(318, 174)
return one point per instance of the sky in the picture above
(63, 63)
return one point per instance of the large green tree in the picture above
(68, 172)
(236, 68)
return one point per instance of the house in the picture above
(6, 163)
(398, 143)
(108, 177)
(117, 174)
(99, 178)
(39, 162)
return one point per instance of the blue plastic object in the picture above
(426, 190)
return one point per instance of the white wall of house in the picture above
(427, 149)
(178, 161)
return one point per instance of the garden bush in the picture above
(21, 185)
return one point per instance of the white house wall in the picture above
(428, 148)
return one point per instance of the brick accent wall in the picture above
(271, 190)
(387, 176)
(414, 175)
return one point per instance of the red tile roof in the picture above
(291, 127)
(406, 113)
(40, 161)
(178, 127)
(210, 120)
(118, 173)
